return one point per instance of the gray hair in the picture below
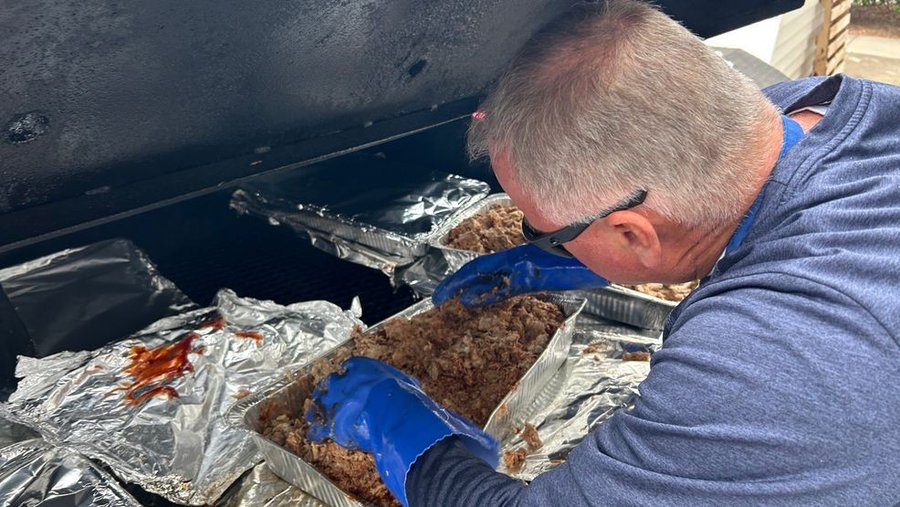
(617, 97)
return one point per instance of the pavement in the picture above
(875, 58)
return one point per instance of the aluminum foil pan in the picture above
(629, 307)
(245, 413)
(614, 302)
(177, 447)
(455, 257)
(35, 473)
(592, 385)
(390, 217)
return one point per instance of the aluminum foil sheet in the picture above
(245, 413)
(34, 473)
(178, 445)
(262, 488)
(99, 293)
(376, 212)
(594, 382)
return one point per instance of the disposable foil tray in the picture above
(245, 413)
(628, 306)
(614, 302)
(455, 257)
(380, 218)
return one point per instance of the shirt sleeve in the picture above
(755, 398)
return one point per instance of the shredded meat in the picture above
(514, 460)
(499, 228)
(466, 360)
(531, 437)
(636, 356)
(673, 292)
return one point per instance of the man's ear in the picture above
(635, 234)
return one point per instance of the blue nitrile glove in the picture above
(376, 408)
(526, 268)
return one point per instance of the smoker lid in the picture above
(110, 107)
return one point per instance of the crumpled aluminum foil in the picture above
(594, 382)
(262, 488)
(35, 473)
(178, 448)
(378, 218)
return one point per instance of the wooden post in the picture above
(831, 44)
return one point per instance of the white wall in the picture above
(786, 42)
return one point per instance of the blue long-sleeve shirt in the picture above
(778, 381)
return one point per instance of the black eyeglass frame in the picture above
(552, 242)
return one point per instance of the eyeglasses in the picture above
(552, 242)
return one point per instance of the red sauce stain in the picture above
(151, 369)
(253, 335)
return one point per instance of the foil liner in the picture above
(35, 473)
(245, 413)
(179, 448)
(594, 382)
(372, 220)
(614, 302)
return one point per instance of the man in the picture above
(650, 159)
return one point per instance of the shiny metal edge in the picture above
(244, 414)
(356, 253)
(628, 306)
(455, 257)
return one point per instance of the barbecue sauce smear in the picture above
(152, 369)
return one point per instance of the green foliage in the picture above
(893, 4)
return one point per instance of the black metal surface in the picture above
(203, 246)
(14, 341)
(109, 107)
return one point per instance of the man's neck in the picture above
(706, 246)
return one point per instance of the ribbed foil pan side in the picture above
(455, 257)
(628, 306)
(245, 414)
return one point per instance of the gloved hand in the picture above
(526, 268)
(376, 408)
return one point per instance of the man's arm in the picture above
(763, 394)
